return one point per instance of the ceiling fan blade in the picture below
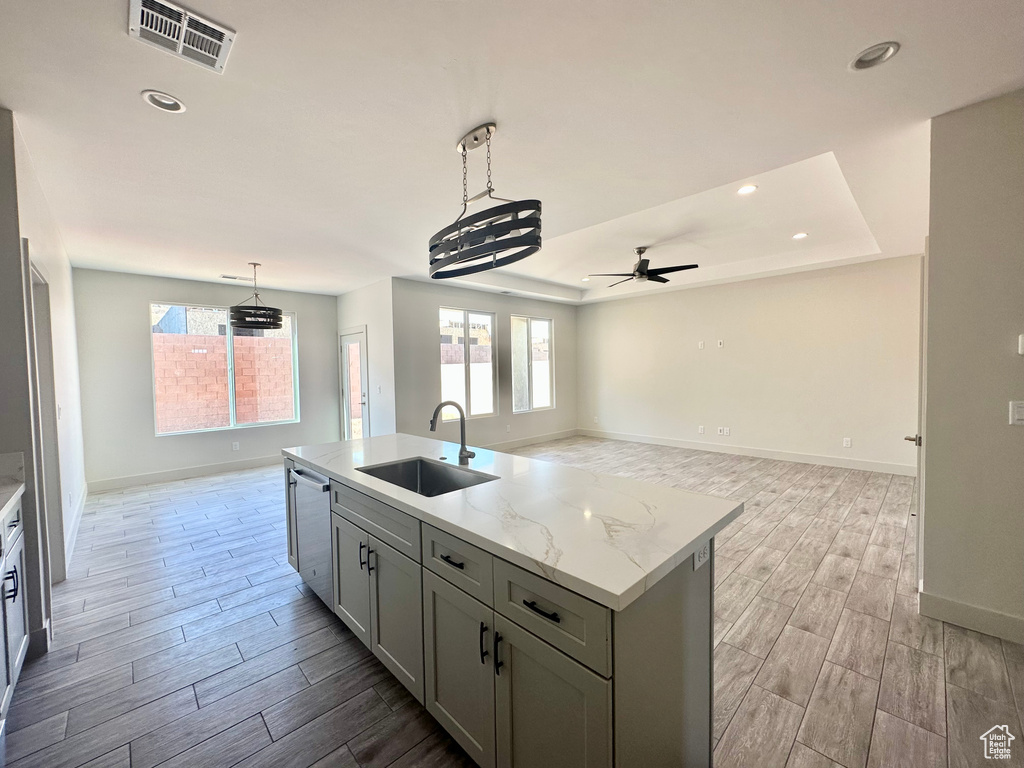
(611, 274)
(621, 281)
(666, 270)
(641, 266)
(657, 278)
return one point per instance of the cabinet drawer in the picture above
(571, 623)
(391, 526)
(467, 567)
(12, 525)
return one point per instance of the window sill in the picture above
(227, 428)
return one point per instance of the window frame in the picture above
(446, 414)
(529, 361)
(229, 336)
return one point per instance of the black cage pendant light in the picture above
(500, 235)
(257, 314)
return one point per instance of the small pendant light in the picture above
(495, 237)
(257, 314)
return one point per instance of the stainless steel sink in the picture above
(427, 477)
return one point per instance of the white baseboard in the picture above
(763, 453)
(71, 532)
(511, 445)
(131, 481)
(973, 617)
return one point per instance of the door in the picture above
(551, 712)
(396, 614)
(354, 391)
(922, 401)
(351, 579)
(458, 676)
(16, 606)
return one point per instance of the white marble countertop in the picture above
(11, 489)
(606, 538)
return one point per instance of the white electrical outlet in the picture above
(721, 343)
(380, 389)
(1017, 413)
(726, 431)
(702, 555)
(847, 442)
(700, 430)
(595, 419)
(508, 428)
(700, 345)
(721, 430)
(234, 446)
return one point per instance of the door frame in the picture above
(357, 330)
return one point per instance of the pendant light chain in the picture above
(490, 186)
(465, 188)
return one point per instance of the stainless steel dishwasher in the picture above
(311, 501)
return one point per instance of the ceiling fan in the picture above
(642, 273)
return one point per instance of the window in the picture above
(532, 375)
(207, 375)
(467, 361)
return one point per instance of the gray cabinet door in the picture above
(351, 577)
(290, 523)
(16, 606)
(458, 632)
(396, 614)
(551, 712)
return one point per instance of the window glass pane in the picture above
(481, 365)
(190, 368)
(453, 371)
(540, 351)
(520, 364)
(264, 390)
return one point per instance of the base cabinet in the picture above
(351, 580)
(458, 634)
(16, 606)
(550, 711)
(378, 594)
(510, 699)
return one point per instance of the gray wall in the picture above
(115, 354)
(807, 359)
(48, 255)
(417, 361)
(973, 540)
(371, 307)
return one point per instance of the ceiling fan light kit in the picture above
(256, 315)
(642, 272)
(496, 237)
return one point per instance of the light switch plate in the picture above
(702, 555)
(1017, 413)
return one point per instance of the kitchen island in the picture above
(544, 615)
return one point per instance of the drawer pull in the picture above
(498, 664)
(483, 649)
(532, 605)
(14, 522)
(369, 568)
(12, 576)
(362, 563)
(452, 563)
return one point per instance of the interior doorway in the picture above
(355, 411)
(48, 463)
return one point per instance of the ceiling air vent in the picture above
(181, 32)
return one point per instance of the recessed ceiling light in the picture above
(875, 55)
(163, 101)
(799, 235)
(747, 189)
(586, 279)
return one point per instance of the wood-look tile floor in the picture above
(182, 637)
(821, 658)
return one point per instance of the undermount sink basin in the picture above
(427, 477)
